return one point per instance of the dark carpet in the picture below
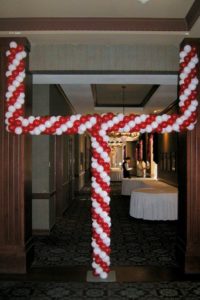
(104, 291)
(134, 242)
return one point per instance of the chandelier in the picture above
(120, 138)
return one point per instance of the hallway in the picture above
(143, 256)
(133, 242)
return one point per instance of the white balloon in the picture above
(110, 123)
(120, 117)
(192, 108)
(169, 128)
(154, 124)
(192, 86)
(194, 102)
(165, 117)
(18, 130)
(72, 118)
(104, 126)
(99, 270)
(11, 67)
(190, 127)
(97, 250)
(175, 127)
(8, 53)
(137, 120)
(102, 255)
(11, 108)
(20, 100)
(179, 121)
(195, 81)
(69, 124)
(158, 119)
(100, 169)
(11, 88)
(63, 127)
(187, 113)
(58, 131)
(99, 230)
(98, 210)
(191, 65)
(149, 128)
(187, 92)
(143, 117)
(42, 127)
(13, 44)
(53, 119)
(99, 149)
(183, 76)
(93, 120)
(48, 124)
(187, 48)
(195, 59)
(187, 70)
(17, 105)
(103, 275)
(82, 127)
(88, 124)
(182, 54)
(23, 53)
(94, 265)
(103, 235)
(15, 62)
(8, 94)
(19, 56)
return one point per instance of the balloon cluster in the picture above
(18, 124)
(99, 126)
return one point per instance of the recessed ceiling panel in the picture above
(114, 95)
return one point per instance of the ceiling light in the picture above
(143, 1)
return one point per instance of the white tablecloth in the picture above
(154, 203)
(116, 174)
(130, 184)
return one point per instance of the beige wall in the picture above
(104, 57)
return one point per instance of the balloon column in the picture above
(99, 127)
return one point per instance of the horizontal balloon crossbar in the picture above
(99, 127)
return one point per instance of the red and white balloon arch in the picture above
(99, 127)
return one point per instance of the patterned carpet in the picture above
(134, 242)
(104, 291)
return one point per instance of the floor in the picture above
(143, 258)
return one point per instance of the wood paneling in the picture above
(15, 184)
(105, 24)
(188, 243)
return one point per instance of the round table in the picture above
(154, 203)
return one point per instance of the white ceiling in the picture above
(95, 8)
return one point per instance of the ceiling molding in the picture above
(193, 14)
(92, 24)
(150, 94)
(141, 104)
(172, 108)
